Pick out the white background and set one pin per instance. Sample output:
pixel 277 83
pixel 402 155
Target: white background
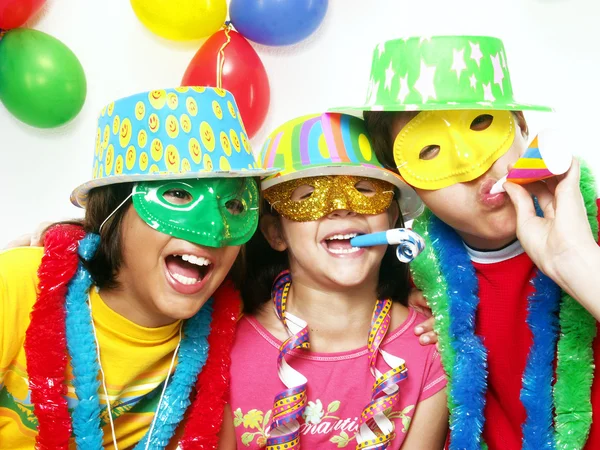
pixel 553 53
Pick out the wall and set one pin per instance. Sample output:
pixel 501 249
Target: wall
pixel 552 47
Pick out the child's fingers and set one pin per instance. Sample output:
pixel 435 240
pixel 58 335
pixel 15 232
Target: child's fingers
pixel 428 338
pixel 545 198
pixel 425 327
pixel 521 200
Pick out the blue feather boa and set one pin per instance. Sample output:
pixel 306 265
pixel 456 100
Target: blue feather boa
pixel 82 350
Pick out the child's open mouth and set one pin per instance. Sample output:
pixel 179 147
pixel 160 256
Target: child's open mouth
pixel 339 244
pixel 187 271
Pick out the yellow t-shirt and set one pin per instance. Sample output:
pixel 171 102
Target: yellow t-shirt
pixel 135 360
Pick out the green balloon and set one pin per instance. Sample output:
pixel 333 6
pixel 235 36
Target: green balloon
pixel 42 82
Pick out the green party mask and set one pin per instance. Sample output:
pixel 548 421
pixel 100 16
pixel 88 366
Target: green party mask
pixel 214 212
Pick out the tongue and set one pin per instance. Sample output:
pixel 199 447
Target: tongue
pixel 181 267
pixel 338 244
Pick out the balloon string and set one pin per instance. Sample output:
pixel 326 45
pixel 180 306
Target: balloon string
pixel 221 55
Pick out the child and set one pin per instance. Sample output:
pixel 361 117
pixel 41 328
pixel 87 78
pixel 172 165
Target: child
pixel 451 128
pixel 171 201
pixel 309 302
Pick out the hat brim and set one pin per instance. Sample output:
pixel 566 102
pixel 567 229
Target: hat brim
pixel 410 203
pixel 79 194
pixel 357 111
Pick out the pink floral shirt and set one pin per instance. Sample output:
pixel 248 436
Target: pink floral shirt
pixel 339 385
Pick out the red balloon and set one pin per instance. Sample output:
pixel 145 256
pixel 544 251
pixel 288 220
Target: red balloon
pixel 14 13
pixel 244 75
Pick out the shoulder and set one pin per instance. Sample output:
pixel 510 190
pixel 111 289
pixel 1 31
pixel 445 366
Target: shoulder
pixel 20 265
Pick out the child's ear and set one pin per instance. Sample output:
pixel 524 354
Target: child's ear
pixel 522 123
pixel 270 226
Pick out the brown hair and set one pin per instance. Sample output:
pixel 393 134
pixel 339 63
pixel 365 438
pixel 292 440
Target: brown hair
pixel 105 264
pixel 379 125
pixel 264 264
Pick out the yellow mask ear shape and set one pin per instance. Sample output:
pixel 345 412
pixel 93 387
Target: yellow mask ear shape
pixel 437 149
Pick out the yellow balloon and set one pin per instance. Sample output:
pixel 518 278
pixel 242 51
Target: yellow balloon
pixel 181 20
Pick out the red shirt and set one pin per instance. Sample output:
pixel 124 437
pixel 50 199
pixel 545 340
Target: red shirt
pixel 504 288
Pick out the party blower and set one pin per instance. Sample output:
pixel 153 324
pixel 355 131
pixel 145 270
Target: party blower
pixel 409 243
pixel 545 157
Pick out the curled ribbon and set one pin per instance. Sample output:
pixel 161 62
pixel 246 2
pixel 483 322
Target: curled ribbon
pixel 376 431
pixel 289 404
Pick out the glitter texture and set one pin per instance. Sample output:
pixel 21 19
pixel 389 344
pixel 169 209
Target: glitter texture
pixel 330 193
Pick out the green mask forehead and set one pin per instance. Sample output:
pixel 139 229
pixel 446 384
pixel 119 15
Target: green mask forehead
pixel 214 212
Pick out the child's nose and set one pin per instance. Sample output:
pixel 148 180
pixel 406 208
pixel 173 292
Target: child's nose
pixel 340 214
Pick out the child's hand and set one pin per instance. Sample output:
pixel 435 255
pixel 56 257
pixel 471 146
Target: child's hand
pixel 34 239
pixel 563 231
pixel 424 329
pixel 560 243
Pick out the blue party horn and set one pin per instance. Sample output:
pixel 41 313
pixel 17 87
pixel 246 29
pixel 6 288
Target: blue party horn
pixel 410 244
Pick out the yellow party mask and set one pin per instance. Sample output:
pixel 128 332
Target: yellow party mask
pixel 437 149
pixel 361 195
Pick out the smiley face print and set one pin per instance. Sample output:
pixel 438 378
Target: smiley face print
pixel 192 106
pixel 153 122
pixel 125 133
pixel 111 108
pixel 142 139
pixel 157 98
pixel 97 149
pixel 207 136
pixel 195 151
pixel 172 126
pixel 130 157
pixel 172 159
pixel 156 149
pixel 224 164
pixel 186 123
pixel 234 140
pixel 245 142
pixel 231 109
pixel 119 165
pixel 185 166
pixel 105 137
pixel 110 159
pixel 208 165
pixel 143 161
pixel 116 123
pixel 225 144
pixel 172 100
pixel 217 109
pixel 140 110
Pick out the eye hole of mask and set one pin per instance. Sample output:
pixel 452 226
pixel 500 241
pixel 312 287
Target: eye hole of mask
pixel 429 152
pixel 235 206
pixel 482 122
pixel 177 197
pixel 302 193
pixel 366 188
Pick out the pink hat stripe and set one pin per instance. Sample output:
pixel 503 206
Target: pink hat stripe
pixel 329 138
pixel 304 134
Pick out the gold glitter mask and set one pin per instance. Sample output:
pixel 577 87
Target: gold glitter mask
pixel 361 195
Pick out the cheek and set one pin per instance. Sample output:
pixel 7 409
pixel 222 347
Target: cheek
pixel 142 245
pixel 450 204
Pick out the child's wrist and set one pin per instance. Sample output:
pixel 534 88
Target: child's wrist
pixel 575 267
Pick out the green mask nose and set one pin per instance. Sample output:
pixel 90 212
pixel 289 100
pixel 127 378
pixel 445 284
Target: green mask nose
pixel 214 212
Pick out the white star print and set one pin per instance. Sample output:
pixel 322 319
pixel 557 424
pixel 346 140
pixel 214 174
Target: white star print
pixel 476 54
pixel 389 75
pixel 373 88
pixel 498 73
pixel 425 84
pixel 404 89
pixel 473 81
pixel 381 48
pixel 424 38
pixel 487 93
pixel 458 62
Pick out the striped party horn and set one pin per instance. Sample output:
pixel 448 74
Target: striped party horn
pixel 544 158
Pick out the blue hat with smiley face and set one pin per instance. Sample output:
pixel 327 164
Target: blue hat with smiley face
pixel 185 132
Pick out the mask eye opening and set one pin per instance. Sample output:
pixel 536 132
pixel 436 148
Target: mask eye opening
pixel 482 122
pixel 177 196
pixel 429 152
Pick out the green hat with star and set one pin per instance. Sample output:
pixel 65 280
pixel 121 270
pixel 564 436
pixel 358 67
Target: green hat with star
pixel 440 73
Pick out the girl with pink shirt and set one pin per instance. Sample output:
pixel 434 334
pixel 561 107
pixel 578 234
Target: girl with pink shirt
pixel 325 355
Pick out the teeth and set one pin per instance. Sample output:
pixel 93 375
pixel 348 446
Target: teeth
pixel 340 251
pixel 342 236
pixel 184 280
pixel 199 261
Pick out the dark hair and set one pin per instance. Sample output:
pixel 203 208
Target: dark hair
pixel 264 264
pixel 379 125
pixel 107 261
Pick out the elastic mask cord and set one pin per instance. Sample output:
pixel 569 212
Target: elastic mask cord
pixel 113 213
